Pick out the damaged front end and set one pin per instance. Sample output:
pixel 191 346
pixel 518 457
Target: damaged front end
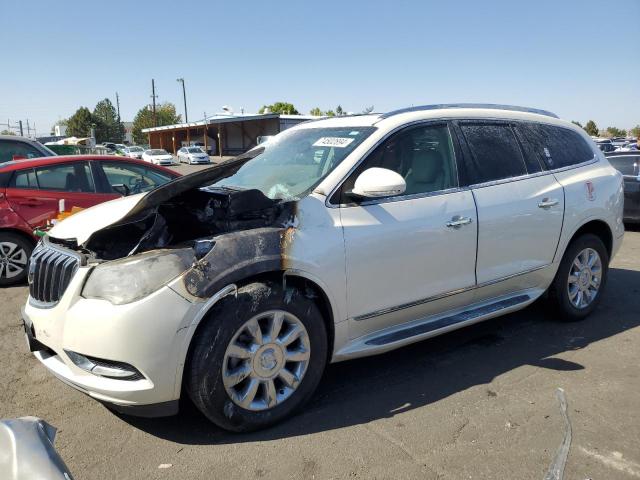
pixel 209 236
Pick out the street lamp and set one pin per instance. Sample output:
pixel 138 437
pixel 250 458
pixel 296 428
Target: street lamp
pixel 184 95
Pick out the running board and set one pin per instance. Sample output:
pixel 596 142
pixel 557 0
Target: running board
pixel 462 317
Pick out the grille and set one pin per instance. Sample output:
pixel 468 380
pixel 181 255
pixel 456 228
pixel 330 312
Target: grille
pixel 50 272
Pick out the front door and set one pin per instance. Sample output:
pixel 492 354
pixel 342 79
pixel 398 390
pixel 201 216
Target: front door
pixel 405 251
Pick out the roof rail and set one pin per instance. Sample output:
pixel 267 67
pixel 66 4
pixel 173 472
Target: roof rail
pixel 490 106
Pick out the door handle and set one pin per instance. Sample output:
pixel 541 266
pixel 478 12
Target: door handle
pixel 30 202
pixel 548 203
pixel 458 221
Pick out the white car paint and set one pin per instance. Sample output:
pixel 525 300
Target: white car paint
pixel 192 155
pixel 133 152
pixel 384 267
pixel 158 157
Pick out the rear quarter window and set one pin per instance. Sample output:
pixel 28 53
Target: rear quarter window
pixel 24 179
pixel 555 147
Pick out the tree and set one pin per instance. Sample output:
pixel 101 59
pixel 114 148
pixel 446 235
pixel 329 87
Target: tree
pixel 616 132
pixel 165 114
pixel 368 110
pixel 280 107
pixel 80 123
pixel 591 128
pixel 635 131
pixel 316 112
pixel 108 126
pixel 577 123
pixel 330 113
pixel 6 132
pixel 339 111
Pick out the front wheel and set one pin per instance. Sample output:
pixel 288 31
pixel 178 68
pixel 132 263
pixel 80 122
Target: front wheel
pixel 577 288
pixel 15 251
pixel 258 358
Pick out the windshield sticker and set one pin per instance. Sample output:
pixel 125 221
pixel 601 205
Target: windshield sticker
pixel 339 142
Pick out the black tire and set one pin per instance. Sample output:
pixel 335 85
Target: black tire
pixel 23 244
pixel 558 291
pixel 203 372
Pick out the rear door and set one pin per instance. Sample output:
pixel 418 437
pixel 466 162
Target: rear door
pixel 35 194
pixel 520 205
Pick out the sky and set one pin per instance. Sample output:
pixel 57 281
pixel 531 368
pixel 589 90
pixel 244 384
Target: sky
pixel 577 58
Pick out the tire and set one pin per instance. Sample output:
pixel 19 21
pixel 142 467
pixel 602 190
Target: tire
pixel 560 291
pixel 226 327
pixel 15 251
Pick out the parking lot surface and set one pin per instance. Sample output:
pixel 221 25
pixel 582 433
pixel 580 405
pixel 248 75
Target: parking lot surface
pixel 477 403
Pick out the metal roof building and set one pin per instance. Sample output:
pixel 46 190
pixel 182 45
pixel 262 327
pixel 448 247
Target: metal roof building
pixel 222 134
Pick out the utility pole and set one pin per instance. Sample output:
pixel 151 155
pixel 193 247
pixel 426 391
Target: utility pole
pixel 21 132
pixel 153 96
pixel 184 96
pixel 28 129
pixel 118 105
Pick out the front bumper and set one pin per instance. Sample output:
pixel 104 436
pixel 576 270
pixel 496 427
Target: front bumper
pixel 150 334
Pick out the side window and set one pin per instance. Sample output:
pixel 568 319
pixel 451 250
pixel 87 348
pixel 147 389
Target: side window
pixel 24 179
pixel 136 178
pixel 555 147
pixel 495 153
pixel 423 156
pixel 9 148
pixel 66 177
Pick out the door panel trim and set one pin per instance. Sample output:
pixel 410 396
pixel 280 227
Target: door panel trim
pixel 433 298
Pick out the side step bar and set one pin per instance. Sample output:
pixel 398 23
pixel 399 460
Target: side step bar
pixel 448 321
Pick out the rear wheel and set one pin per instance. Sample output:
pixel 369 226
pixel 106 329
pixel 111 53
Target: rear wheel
pixel 577 288
pixel 259 357
pixel 15 251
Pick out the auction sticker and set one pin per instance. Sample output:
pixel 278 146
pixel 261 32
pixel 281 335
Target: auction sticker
pixel 339 142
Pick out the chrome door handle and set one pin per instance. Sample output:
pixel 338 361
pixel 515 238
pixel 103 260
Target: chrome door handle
pixel 548 203
pixel 458 221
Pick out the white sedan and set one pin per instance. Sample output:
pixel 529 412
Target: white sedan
pixel 158 156
pixel 192 155
pixel 133 152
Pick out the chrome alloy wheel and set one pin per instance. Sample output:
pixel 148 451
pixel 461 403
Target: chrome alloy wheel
pixel 13 260
pixel 266 360
pixel 585 277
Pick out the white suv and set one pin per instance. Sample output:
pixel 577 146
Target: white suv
pixel 339 238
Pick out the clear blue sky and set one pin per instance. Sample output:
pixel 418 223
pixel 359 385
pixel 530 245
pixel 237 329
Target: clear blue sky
pixel 578 58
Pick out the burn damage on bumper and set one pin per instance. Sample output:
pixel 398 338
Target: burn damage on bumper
pixel 233 234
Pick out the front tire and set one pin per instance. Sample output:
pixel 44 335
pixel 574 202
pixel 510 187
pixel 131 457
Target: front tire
pixel 577 289
pixel 258 358
pixel 15 252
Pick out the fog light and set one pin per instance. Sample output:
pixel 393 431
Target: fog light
pixel 104 368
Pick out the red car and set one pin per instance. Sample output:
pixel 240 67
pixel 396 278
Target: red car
pixel 31 190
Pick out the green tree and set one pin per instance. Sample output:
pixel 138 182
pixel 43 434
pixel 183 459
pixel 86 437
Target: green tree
pixel 108 126
pixel 316 112
pixel 616 132
pixel 330 113
pixel 280 107
pixel 368 110
pixel 577 123
pixel 80 123
pixel 635 131
pixel 6 132
pixel 591 128
pixel 339 111
pixel 165 113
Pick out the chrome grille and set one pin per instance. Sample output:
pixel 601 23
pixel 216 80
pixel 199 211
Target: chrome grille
pixel 50 271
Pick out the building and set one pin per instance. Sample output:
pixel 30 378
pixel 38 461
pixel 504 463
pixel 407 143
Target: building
pixel 128 132
pixel 222 134
pixel 60 130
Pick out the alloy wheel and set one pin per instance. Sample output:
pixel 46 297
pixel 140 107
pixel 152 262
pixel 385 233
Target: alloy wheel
pixel 585 278
pixel 13 260
pixel 266 360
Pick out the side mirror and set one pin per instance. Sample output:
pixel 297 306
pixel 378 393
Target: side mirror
pixel 121 188
pixel 378 183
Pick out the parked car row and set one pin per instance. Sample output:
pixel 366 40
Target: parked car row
pixel 31 191
pixel 346 237
pixel 628 163
pixel 616 145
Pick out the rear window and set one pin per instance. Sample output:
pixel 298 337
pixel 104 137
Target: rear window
pixel 555 147
pixel 495 153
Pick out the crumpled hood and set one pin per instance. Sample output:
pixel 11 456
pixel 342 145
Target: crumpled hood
pixel 81 225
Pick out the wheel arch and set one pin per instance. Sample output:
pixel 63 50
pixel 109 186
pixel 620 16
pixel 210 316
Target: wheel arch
pixel 596 227
pixel 20 233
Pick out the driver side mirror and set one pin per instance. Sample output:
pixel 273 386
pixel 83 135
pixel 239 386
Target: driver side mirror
pixel 378 182
pixel 121 188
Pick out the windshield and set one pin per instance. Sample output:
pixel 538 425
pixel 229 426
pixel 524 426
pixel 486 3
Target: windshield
pixel 157 152
pixel 194 150
pixel 294 162
pixel 135 149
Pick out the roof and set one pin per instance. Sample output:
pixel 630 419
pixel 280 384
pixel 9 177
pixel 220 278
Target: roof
pixel 215 119
pixel 18 138
pixel 482 106
pixel 43 161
